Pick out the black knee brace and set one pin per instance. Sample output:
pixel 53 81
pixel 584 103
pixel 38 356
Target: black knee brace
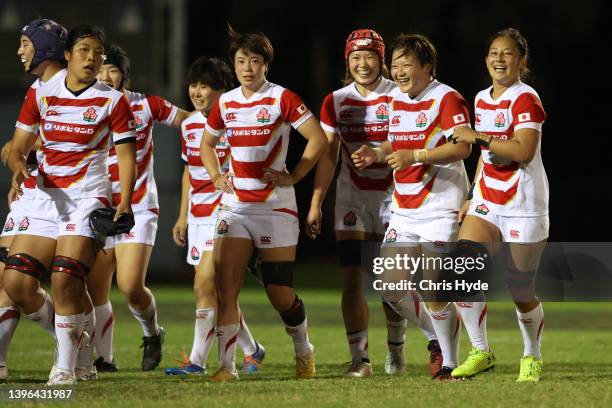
pixel 27 264
pixel 70 266
pixel 277 273
pixel 296 313
pixel 350 252
pixel 4 251
pixel 472 262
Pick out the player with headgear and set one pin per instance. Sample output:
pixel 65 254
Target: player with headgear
pixel 353 115
pixel 41 51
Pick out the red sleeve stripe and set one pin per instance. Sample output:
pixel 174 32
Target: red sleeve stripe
pixel 237 105
pixel 413 107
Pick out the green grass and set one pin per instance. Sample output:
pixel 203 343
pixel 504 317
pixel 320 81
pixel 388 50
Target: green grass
pixel 577 369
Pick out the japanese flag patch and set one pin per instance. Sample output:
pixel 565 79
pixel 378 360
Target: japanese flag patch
pixel 524 117
pixel 460 118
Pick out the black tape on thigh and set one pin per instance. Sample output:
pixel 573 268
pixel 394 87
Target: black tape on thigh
pixel 27 264
pixel 350 252
pixel 277 273
pixel 479 264
pixel 296 313
pixel 70 266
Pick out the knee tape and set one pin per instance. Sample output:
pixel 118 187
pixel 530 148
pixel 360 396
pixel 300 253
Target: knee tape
pixel 350 252
pixel 296 313
pixel 27 264
pixel 277 273
pixel 520 280
pixel 70 266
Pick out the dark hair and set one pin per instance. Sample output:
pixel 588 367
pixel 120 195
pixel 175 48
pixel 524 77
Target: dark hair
pixel 521 43
pixel 210 71
pixel 115 55
pixel 82 31
pixel 420 46
pixel 254 43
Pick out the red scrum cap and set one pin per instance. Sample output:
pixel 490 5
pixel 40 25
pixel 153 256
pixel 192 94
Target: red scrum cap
pixel 365 39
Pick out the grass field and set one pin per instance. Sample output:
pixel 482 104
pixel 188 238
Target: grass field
pixel 577 370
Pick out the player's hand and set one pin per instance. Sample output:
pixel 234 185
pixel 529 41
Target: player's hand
pixel 19 175
pixel 5 152
pixel 400 159
pixel 12 196
pixel 463 211
pixel 463 134
pixel 223 183
pixel 277 178
pixel 313 222
pixel 363 157
pixel 179 232
pixel 122 208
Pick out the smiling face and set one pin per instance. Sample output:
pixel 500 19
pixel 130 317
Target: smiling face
pixel 410 76
pixel 250 69
pixel 85 59
pixel 203 97
pixel 111 76
pixel 364 66
pixel 26 52
pixel 504 61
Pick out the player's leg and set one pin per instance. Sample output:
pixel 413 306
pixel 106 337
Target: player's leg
pixel 29 258
pixel 231 255
pixel 472 306
pixel 354 306
pixel 132 264
pixel 75 254
pixel 9 312
pixel 84 367
pixel 522 266
pixel 99 283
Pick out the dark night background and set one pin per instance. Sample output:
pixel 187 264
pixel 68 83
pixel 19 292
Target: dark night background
pixel 568 64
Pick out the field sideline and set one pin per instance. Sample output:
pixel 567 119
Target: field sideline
pixel 577 360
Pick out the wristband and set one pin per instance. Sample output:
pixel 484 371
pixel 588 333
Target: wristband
pixel 483 140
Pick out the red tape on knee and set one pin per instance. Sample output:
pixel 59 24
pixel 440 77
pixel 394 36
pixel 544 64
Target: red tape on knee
pixel 70 266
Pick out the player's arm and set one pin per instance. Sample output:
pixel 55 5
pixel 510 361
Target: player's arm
pixel 366 155
pixel 181 115
pixel 180 227
pixel 126 160
pixel 209 157
pixel 21 145
pixel 521 148
pixel 443 154
pixel 315 147
pixel 326 167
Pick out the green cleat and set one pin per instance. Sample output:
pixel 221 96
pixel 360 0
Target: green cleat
pixel 477 362
pixel 531 369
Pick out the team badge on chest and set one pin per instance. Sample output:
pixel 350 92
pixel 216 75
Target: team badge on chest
pixel 90 115
pixel 500 120
pixel 421 120
pixel 263 116
pixel 382 113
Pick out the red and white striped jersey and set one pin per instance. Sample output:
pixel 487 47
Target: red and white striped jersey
pixel 204 198
pixel 510 188
pixel 147 110
pixel 257 130
pixel 29 185
pixel 359 120
pixel 76 135
pixel 425 122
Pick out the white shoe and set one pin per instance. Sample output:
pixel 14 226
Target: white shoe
pixel 60 377
pixel 3 373
pixel 86 373
pixel 396 362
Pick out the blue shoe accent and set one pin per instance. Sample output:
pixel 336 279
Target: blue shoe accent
pixel 252 363
pixel 186 370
